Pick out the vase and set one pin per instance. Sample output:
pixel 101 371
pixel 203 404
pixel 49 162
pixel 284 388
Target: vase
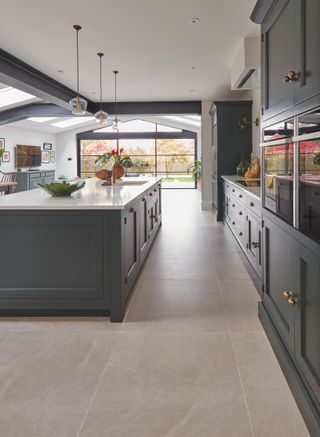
pixel 242 167
pixel 118 171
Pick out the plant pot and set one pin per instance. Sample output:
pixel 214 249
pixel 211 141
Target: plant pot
pixel 118 171
pixel 102 174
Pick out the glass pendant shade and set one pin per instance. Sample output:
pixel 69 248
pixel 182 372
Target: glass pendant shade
pixel 78 106
pixel 101 117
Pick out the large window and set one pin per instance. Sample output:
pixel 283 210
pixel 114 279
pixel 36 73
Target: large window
pixel 155 149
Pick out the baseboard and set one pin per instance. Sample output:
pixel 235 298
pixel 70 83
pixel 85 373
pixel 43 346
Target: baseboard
pixel 308 409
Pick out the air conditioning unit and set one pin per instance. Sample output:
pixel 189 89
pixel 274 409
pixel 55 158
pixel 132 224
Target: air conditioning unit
pixel 245 70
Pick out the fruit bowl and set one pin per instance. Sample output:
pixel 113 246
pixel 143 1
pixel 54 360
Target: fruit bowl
pixel 62 189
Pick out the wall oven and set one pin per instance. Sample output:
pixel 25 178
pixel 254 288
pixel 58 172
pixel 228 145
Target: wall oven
pixel 291 172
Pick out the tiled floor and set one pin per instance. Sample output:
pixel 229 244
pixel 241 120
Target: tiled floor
pixel 191 359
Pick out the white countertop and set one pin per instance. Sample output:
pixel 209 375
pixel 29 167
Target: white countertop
pixel 254 191
pixel 92 196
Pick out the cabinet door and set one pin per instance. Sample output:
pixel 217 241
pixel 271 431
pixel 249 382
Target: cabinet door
pixel 277 58
pixel 131 246
pixel 278 279
pixel 33 183
pixel 253 248
pixel 307 310
pixel 307 49
pixel 143 229
pixel 48 179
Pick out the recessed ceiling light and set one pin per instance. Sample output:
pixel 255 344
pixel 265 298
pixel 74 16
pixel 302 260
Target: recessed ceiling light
pixel 41 119
pixel 194 20
pixel 60 71
pixel 193 68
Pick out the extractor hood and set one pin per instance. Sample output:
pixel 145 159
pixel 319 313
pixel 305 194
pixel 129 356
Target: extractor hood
pixel 245 70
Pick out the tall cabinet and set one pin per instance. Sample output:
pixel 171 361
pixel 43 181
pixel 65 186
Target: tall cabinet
pixel 229 144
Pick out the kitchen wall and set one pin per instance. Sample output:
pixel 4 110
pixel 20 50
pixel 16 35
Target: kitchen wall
pixel 206 146
pixel 14 135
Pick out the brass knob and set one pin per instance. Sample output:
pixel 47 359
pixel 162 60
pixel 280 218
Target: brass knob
pixel 293 301
pixel 291 76
pixel 287 294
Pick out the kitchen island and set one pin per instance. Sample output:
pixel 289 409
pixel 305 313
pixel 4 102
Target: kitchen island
pixel 78 255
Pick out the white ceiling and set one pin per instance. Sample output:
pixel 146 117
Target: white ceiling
pixel 151 42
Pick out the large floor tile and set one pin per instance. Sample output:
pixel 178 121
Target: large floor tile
pixel 47 380
pixel 179 266
pixel 181 242
pixel 230 266
pixel 240 303
pixel 176 306
pixel 157 385
pixel 272 408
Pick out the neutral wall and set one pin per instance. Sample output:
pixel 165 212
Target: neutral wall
pixel 15 135
pixel 206 152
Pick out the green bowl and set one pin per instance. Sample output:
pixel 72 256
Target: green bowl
pixel 61 189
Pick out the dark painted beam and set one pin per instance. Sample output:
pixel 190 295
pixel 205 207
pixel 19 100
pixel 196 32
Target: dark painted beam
pixel 153 108
pixel 18 74
pixel 261 10
pixel 90 135
pixel 32 110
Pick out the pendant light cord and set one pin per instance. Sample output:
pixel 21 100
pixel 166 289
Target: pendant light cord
pixel 77 28
pixel 115 94
pixel 100 56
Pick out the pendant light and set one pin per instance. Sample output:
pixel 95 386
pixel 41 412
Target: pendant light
pixel 78 104
pixel 116 122
pixel 101 116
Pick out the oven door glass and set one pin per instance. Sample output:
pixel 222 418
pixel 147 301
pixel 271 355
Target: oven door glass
pixel 278 183
pixel 309 188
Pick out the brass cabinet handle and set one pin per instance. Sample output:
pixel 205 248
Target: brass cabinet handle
pixel 291 76
pixel 287 294
pixel 293 301
pixel 255 245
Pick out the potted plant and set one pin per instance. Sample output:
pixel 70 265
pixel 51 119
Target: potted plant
pixel 120 162
pixel 195 168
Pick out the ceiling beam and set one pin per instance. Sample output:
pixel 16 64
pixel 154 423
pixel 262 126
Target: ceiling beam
pixel 18 74
pixel 153 108
pixel 32 110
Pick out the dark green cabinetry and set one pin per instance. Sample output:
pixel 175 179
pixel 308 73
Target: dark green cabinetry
pixel 28 180
pixel 229 143
pixel 67 262
pixel 290 56
pixel 290 311
pixel 242 212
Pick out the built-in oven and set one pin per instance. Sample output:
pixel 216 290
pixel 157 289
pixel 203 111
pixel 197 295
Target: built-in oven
pixel 308 149
pixel 278 166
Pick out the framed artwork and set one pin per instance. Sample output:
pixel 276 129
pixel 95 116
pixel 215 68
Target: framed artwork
pixel 2 143
pixel 45 157
pixel 6 157
pixel 52 156
pixel 47 146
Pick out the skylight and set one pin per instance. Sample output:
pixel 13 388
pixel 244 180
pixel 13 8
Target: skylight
pixel 10 96
pixel 72 122
pixel 41 119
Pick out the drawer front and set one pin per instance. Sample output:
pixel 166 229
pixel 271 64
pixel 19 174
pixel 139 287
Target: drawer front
pixel 237 193
pixel 49 174
pixel 35 175
pixel 253 206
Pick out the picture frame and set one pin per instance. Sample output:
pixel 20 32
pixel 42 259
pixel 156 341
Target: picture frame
pixel 6 156
pixel 52 157
pixel 47 146
pixel 45 157
pixel 2 143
